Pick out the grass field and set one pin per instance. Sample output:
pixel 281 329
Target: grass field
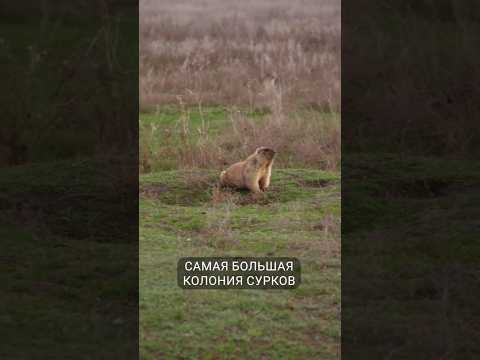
pixel 65 283
pixel 217 80
pixel 182 213
pixel 410 250
pixel 219 52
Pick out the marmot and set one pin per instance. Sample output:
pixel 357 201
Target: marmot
pixel 253 173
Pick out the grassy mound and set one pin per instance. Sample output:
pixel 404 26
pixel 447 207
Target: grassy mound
pixel 76 199
pixel 65 286
pixel 183 213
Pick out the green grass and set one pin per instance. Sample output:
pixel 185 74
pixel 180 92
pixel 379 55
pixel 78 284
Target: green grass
pixel 215 117
pixel 65 283
pixel 62 296
pixel 409 244
pixel 73 198
pixel 384 197
pixel 183 213
pixel 299 217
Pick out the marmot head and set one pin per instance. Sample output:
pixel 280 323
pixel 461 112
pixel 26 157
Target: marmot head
pixel 266 152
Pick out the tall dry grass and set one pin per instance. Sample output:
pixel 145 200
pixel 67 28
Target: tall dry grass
pixel 226 52
pixel 307 139
pixel 303 139
pixel 418 79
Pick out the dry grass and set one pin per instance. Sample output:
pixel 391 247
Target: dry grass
pixel 303 139
pixel 226 52
pixel 309 139
pixel 221 196
pixel 218 232
pixel 420 97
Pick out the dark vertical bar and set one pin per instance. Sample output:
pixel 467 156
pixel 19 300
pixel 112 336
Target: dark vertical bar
pixel 69 180
pixel 410 180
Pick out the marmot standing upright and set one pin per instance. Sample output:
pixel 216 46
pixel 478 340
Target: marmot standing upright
pixel 253 173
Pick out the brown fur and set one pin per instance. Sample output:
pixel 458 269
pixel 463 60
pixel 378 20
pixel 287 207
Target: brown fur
pixel 253 173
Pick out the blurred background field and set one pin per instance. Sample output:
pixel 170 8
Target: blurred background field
pixel 221 52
